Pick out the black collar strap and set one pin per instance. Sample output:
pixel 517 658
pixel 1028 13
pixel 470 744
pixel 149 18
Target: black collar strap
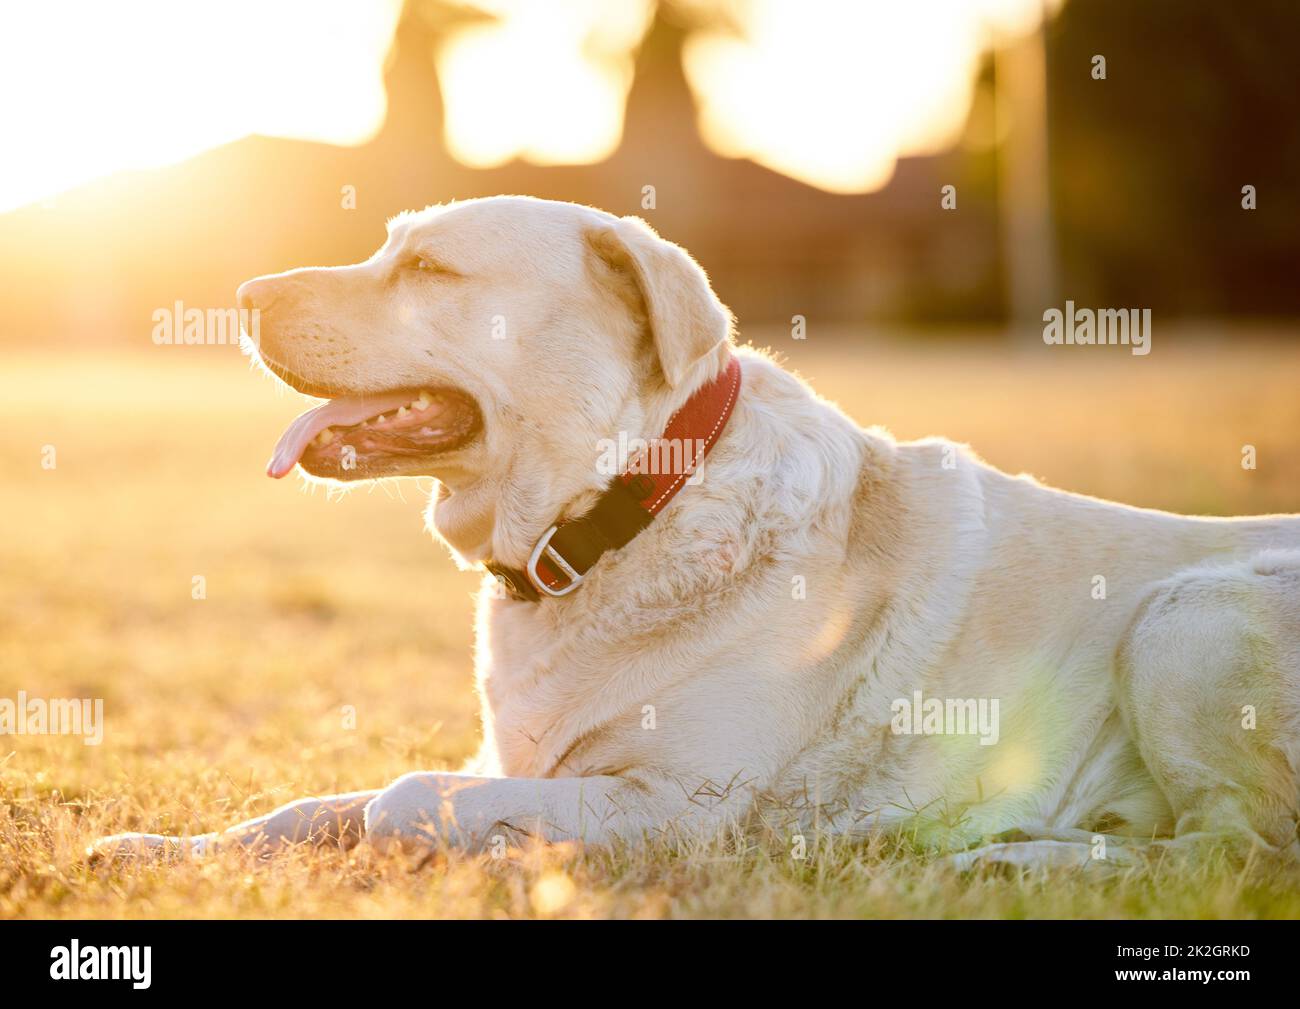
pixel 568 550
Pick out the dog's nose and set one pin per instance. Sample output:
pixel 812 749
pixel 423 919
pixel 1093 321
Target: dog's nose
pixel 257 293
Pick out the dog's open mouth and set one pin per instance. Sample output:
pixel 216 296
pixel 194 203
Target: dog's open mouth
pixel 355 437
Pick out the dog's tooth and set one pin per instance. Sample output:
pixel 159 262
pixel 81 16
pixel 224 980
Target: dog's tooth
pixel 326 436
pixel 423 402
pixel 402 411
pixel 379 419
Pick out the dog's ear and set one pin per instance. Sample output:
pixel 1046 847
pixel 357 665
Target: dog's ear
pixel 685 318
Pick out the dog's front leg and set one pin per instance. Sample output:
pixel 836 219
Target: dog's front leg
pixel 334 819
pixel 474 813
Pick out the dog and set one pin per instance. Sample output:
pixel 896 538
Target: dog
pixel 790 638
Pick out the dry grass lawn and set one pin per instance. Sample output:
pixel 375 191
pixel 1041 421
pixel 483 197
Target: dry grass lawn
pixel 224 707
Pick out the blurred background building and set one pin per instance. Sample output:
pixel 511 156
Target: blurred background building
pixel 799 150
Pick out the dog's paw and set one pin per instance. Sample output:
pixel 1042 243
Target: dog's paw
pixel 1040 854
pixel 146 847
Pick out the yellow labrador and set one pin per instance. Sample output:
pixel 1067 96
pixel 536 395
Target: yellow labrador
pixel 818 627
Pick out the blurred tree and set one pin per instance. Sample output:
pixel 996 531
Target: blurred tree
pixel 1200 99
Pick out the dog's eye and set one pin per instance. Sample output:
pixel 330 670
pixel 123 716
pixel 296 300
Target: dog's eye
pixel 426 265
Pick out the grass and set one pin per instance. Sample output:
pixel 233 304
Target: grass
pixel 223 707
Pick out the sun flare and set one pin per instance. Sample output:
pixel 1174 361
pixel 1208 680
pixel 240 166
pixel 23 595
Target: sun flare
pixel 95 88
pixel 833 94
pixel 827 93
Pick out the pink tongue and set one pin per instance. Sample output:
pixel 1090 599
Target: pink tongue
pixel 336 413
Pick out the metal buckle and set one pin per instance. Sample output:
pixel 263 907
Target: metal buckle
pixel 553 555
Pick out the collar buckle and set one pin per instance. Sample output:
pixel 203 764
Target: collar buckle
pixel 553 556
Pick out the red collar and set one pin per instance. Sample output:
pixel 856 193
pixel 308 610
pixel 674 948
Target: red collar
pixel 568 550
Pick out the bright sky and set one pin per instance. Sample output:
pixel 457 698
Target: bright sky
pixel 92 87
pixel 833 93
pixel 546 81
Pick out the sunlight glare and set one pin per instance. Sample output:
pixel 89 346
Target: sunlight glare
pixel 1016 769
pixel 544 82
pixel 832 94
pixel 93 88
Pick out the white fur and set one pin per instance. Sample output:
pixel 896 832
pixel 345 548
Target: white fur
pixel 925 569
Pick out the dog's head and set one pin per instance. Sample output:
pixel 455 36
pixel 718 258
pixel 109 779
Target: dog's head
pixel 490 344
